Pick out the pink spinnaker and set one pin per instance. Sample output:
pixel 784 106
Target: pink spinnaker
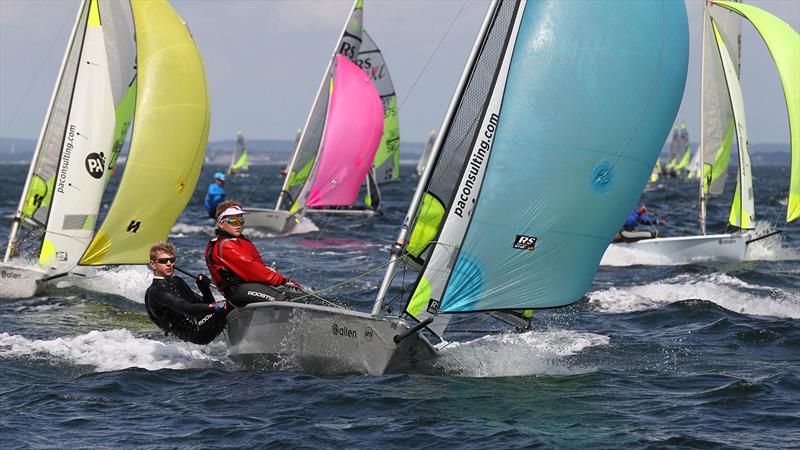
pixel 353 131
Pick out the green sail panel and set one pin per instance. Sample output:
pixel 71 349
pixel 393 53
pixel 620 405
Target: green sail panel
pixel 387 159
pixel 784 45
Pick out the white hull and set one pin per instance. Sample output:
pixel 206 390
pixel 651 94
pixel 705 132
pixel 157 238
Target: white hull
pixel 345 212
pixel 278 221
pixel 680 250
pixel 285 336
pixel 21 282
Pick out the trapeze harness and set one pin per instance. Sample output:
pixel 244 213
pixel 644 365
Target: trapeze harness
pixel 242 277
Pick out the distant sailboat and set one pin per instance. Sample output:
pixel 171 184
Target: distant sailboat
pixel 337 150
pixel 723 117
pixel 104 77
pixel 239 163
pixel 426 154
pixel 510 128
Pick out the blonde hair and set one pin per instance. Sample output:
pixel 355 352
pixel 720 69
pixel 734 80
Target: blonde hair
pixel 161 247
pixel 225 205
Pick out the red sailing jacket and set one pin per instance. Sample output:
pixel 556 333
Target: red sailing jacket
pixel 233 261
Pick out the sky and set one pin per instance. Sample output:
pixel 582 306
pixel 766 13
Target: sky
pixel 264 61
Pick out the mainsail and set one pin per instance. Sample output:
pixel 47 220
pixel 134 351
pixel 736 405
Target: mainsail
pixel 387 158
pixel 84 129
pixel 743 208
pixel 481 248
pixel 239 156
pixel 101 82
pixel 784 45
pixel 717 122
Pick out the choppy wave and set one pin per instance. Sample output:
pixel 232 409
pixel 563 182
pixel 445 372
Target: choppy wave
pixel 531 353
pixel 182 229
pixel 130 282
pixel 112 350
pixel 724 290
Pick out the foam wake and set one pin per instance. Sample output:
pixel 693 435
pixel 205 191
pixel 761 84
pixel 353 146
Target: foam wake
pixel 130 282
pixel 113 350
pixel 531 353
pixel 724 290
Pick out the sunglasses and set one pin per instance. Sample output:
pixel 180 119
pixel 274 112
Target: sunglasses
pixel 165 260
pixel 234 220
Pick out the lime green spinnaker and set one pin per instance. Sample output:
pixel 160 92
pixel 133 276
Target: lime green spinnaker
pixel 784 45
pixel 168 140
pixel 684 162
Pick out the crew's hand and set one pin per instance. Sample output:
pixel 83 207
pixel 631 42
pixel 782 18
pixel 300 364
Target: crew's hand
pixel 219 306
pixel 662 222
pixel 203 280
pixel 292 284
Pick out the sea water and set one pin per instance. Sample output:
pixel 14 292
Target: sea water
pixel 702 355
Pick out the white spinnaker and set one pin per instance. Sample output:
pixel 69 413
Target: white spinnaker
pixel 744 203
pixel 88 140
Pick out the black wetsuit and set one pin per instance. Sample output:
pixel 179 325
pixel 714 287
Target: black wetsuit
pixel 176 309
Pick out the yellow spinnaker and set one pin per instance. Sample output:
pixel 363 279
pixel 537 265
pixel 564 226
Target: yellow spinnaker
pixel 784 44
pixel 170 133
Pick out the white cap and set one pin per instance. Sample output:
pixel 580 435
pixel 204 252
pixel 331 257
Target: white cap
pixel 232 211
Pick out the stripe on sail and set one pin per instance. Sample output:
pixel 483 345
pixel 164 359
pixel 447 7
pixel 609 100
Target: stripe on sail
pixel 387 159
pixel 742 213
pixel 784 45
pixel 168 140
pixel 353 130
pixel 526 250
pixel 717 118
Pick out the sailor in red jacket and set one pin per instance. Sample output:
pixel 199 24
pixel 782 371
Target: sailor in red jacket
pixel 236 265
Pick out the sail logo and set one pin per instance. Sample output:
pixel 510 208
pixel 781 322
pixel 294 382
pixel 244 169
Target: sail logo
pixel 467 194
pixel 62 256
pixel 525 242
pixel 336 330
pixel 96 164
pixel 65 155
pixel 433 306
pixel 133 227
pixel 10 275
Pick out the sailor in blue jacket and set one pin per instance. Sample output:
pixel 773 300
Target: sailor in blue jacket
pixel 215 195
pixel 639 217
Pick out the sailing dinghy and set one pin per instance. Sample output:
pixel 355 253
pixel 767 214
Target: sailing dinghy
pixel 239 163
pixel 723 117
pixel 105 76
pixel 330 158
pixel 491 224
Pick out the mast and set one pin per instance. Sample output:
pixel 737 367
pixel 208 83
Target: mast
pixel 16 222
pixel 702 179
pixel 322 85
pixel 402 237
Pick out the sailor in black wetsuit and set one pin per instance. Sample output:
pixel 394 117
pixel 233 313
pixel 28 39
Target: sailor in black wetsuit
pixel 175 308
